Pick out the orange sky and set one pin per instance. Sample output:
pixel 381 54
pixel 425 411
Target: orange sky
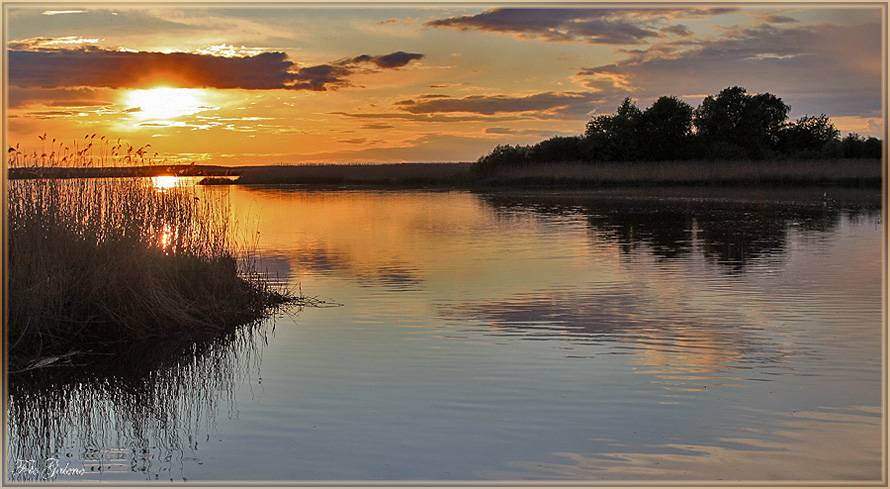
pixel 301 83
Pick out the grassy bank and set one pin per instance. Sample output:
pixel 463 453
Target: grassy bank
pixel 98 267
pixel 362 174
pixel 841 172
pixel 837 172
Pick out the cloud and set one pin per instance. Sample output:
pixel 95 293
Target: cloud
pixel 430 147
pixel 93 67
pixel 377 126
pixel 677 30
pixel 52 43
pixel 81 97
pixel 392 60
pixel 593 25
pixel 60 12
pixel 426 118
pixel 771 17
pixel 552 103
pixel 540 133
pixel 823 68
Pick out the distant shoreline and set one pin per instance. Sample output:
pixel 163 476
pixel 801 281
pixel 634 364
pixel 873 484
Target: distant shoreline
pixel 839 172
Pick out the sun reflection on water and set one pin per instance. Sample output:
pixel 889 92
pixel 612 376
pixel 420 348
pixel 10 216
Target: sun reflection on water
pixel 166 238
pixel 164 182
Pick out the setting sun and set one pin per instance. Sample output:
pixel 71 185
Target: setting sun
pixel 165 103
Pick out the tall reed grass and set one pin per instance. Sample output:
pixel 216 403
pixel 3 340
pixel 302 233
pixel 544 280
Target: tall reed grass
pixel 98 265
pixel 88 152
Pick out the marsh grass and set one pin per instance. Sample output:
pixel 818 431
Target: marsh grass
pixel 846 172
pixel 358 174
pixel 97 266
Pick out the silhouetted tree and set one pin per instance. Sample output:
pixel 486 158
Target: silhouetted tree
pixel 736 124
pixel 557 148
pixel 665 130
pixel 616 137
pixel 503 155
pixel 731 125
pixel 809 136
pixel 855 146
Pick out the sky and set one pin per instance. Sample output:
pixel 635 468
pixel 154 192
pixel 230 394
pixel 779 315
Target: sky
pixel 339 83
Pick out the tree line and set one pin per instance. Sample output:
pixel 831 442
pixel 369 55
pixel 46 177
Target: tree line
pixel 733 125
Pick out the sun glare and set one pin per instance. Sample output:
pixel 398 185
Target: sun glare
pixel 165 103
pixel 164 182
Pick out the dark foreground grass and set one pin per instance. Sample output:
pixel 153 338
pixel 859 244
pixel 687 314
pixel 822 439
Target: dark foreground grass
pixel 102 267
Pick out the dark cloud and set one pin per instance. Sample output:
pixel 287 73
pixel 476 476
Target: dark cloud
pixel 377 126
pixel 118 69
pixel 426 118
pixel 392 60
pixel 51 114
pixel 592 25
pixel 427 96
pixel 565 103
pixel 79 97
pixel 541 133
pixel 677 30
pixel 79 103
pixel 772 17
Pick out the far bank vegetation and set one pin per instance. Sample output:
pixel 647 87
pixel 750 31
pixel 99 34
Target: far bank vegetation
pixel 733 137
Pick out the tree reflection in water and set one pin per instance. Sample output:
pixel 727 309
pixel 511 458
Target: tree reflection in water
pixel 685 323
pixel 141 415
pixel 732 232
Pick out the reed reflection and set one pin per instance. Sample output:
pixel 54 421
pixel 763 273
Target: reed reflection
pixel 144 415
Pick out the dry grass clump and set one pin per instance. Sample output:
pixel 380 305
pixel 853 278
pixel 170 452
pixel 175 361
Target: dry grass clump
pixel 101 265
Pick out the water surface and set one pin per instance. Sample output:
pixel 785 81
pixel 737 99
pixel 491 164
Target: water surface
pixel 571 336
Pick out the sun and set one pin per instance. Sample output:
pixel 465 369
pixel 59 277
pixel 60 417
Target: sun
pixel 165 103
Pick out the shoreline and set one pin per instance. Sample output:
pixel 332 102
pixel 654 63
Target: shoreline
pixel 867 173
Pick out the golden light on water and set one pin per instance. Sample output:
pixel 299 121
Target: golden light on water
pixel 166 237
pixel 164 182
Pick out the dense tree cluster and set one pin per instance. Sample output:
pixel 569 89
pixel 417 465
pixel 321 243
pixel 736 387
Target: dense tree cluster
pixel 733 125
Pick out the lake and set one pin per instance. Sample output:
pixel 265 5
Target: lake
pixel 571 336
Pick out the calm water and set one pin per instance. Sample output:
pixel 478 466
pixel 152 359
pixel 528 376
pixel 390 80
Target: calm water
pixel 547 337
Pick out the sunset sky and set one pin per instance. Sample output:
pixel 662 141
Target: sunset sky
pixel 292 83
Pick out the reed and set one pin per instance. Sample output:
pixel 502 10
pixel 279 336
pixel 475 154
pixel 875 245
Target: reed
pixel 99 265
